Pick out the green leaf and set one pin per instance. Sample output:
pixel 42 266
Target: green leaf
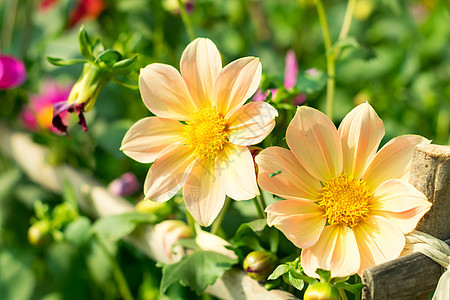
pixel 113 228
pixel 198 270
pixel 300 275
pixel 77 232
pixel 16 278
pixel 344 43
pixel 86 48
pixel 296 282
pixel 124 65
pixel 352 288
pixel 109 57
pixel 64 62
pixel 248 235
pixel 280 270
pixel 188 243
pixel 98 262
pixel 311 83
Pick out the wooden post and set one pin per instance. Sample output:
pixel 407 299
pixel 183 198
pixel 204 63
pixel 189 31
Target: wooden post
pixel 414 276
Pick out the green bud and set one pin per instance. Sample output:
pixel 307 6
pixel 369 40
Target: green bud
pixel 260 264
pixel 88 86
pixel 321 291
pixel 38 232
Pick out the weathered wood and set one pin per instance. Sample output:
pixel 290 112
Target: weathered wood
pixel 414 276
pixel 430 173
pixel 94 199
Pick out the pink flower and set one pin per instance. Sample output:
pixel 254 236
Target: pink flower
pixel 39 112
pixel 290 79
pixel 206 153
pixel 347 205
pixel 125 185
pixel 12 72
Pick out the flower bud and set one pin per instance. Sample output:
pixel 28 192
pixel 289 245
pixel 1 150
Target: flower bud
pixel 321 291
pixel 37 233
pixel 260 264
pixel 125 185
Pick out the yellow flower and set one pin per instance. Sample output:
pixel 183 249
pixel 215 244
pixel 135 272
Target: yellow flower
pixel 206 153
pixel 347 206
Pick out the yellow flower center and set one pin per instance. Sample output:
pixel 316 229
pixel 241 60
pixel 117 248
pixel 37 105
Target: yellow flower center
pixel 206 133
pixel 345 200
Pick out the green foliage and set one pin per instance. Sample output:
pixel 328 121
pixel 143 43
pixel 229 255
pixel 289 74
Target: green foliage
pixel 197 270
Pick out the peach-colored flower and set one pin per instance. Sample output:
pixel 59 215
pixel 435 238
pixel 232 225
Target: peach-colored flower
pixel 347 206
pixel 206 153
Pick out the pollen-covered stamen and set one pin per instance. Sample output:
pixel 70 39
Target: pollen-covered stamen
pixel 206 133
pixel 345 200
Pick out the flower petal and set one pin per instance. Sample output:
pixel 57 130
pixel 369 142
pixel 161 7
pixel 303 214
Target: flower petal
pixel 236 172
pixel 378 241
pixel 164 92
pixel 203 194
pixel 361 132
pixel 399 202
pixel 336 251
pixel 168 173
pixel 301 222
pixel 314 140
pixel 149 136
pixel 393 160
pixel 290 70
pixel 236 83
pixel 251 123
pixel 292 182
pixel 200 65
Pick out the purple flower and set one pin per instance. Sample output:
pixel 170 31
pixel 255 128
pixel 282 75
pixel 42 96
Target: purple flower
pixel 125 185
pixel 12 72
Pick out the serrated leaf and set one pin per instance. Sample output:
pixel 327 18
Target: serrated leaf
pixel 86 47
pixel 296 282
pixel 198 270
pixel 109 57
pixel 113 228
pixel 64 62
pixel 124 65
pixel 280 270
pixel 352 288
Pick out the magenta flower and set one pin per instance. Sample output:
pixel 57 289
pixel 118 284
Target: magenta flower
pixel 290 79
pixel 12 72
pixel 125 185
pixel 39 112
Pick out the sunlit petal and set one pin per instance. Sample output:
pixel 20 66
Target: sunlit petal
pixel 200 65
pixel 168 173
pixel 251 123
pixel 393 160
pixel 280 173
pixel 336 251
pixel 399 202
pixel 164 92
pixel 361 132
pixel 236 83
pixel 314 140
pixel 378 241
pixel 203 194
pixel 236 172
pixel 301 221
pixel 149 136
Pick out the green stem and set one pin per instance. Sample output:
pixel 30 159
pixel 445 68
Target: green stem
pixel 121 282
pixel 258 208
pixel 186 20
pixel 8 24
pixel 261 200
pixel 218 222
pixel 347 19
pixel 330 57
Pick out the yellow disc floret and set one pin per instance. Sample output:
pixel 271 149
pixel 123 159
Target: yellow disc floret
pixel 206 133
pixel 345 200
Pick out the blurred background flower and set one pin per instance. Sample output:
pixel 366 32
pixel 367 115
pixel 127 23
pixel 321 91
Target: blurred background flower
pixel 12 72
